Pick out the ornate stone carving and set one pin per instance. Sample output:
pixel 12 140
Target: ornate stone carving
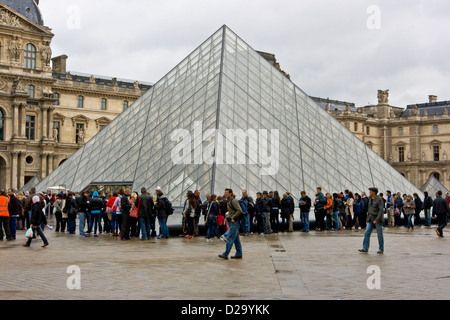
pixel 383 96
pixel 8 19
pixel 18 86
pixel 15 49
pixel 46 54
pixel 4 86
pixel 81 136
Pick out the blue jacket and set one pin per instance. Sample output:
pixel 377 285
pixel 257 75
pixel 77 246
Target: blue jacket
pixel 358 207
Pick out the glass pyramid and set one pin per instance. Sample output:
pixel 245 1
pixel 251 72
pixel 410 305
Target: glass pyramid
pixel 432 186
pixel 225 117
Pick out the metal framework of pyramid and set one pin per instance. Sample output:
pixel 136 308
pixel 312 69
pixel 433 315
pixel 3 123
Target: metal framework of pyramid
pixel 223 85
pixel 432 186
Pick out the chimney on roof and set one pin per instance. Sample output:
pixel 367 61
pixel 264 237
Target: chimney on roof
pixel 59 64
pixel 432 99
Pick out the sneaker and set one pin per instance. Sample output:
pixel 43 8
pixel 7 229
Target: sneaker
pixel 187 237
pixel 208 240
pixel 223 238
pixel 380 252
pixel 223 257
pixel 363 250
pixel 236 257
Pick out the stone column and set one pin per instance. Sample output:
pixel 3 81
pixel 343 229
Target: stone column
pixel 14 165
pixel 50 163
pixel 21 169
pixel 44 122
pixel 50 123
pixel 15 131
pixel 43 165
pixel 23 120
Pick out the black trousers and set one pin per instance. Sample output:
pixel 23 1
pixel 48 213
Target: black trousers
pixel 4 224
pixel 442 222
pixel 275 220
pixel 125 227
pixel 59 221
pixel 321 219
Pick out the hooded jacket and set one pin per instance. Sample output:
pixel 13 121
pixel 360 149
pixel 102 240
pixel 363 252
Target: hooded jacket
pixel 95 203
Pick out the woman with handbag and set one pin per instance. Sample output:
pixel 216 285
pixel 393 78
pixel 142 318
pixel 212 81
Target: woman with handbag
pixel 112 211
pixel 134 213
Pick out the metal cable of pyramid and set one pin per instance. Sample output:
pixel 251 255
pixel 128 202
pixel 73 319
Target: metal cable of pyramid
pixel 226 118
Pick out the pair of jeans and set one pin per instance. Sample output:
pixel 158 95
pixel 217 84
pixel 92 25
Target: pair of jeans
pixel 59 221
pixel 13 226
pixel 233 239
pixel 427 217
pixel 304 218
pixel 267 225
pixel 369 229
pixel 213 230
pixel 82 221
pixel 40 233
pixel 71 225
pixel 336 220
pixel 114 221
pixel 145 228
pixel 275 220
pixel 94 222
pixel 245 223
pixel 163 225
pixel 410 223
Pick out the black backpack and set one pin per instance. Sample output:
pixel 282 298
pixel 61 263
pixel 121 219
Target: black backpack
pixel 168 206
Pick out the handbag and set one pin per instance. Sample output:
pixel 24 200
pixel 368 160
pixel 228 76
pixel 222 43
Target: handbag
pixel 134 213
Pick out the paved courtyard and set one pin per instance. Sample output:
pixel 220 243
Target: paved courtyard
pixel 324 265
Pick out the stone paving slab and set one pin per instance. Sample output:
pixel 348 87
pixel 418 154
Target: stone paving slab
pixel 284 266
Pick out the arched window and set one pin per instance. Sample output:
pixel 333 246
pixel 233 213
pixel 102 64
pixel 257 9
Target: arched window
pixel 31 91
pixel 2 124
pixel 437 176
pixel 30 56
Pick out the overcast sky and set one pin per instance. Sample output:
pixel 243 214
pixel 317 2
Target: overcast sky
pixel 344 50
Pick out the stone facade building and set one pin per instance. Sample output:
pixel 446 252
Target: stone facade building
pixel 47 113
pixel 415 140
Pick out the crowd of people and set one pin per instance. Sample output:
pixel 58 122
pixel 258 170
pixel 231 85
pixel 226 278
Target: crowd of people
pixel 129 215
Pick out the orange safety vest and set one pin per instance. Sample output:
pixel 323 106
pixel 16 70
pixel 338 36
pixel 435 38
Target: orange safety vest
pixel 4 201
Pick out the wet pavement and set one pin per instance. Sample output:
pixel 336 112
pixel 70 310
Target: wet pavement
pixel 315 265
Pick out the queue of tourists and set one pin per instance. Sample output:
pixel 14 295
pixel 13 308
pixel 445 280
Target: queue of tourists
pixel 128 215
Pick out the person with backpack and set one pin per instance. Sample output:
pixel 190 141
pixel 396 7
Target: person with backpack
pixel 285 212
pixel 125 208
pixel 95 208
pixel 233 217
pixel 163 209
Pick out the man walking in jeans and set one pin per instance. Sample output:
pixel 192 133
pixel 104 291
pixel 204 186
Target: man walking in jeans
pixel 375 217
pixel 233 217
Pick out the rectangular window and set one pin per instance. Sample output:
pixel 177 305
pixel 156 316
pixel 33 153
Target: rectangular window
pixel 79 133
pixel 103 104
pixel 31 91
pixel 125 105
pixel 436 151
pixel 56 96
pixel 368 130
pixel 401 154
pixel 435 129
pixel 80 102
pixel 355 125
pixel 400 131
pixel 30 126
